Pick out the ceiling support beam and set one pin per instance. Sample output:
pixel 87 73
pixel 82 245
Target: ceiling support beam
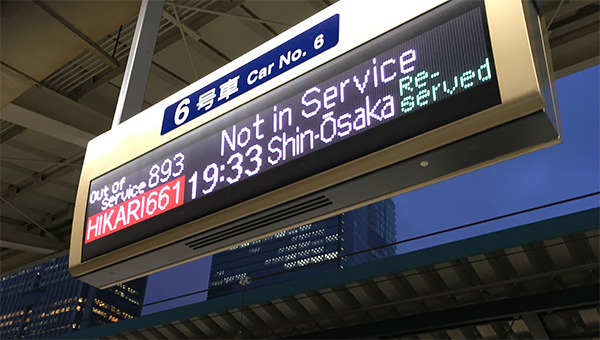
pixel 253 15
pixel 42 124
pixel 10 132
pixel 137 70
pixel 27 160
pixel 187 29
pixel 536 328
pixel 46 232
pixel 53 221
pixel 40 179
pixel 207 11
pixel 19 78
pixel 42 154
pixel 30 243
pixel 57 107
pixel 7 220
pixel 7 163
pixel 89 44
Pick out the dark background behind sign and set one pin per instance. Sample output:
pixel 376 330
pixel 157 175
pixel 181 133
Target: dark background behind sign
pixel 442 50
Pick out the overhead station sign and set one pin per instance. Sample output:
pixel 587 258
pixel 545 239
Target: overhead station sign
pixel 312 129
pixel 391 84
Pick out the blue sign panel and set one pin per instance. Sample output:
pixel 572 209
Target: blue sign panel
pixel 293 52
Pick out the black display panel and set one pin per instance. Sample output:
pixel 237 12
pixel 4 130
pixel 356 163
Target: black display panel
pixel 431 71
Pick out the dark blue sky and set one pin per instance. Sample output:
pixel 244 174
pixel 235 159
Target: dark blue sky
pixel 553 174
pixel 563 171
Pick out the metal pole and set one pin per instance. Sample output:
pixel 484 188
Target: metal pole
pixel 137 70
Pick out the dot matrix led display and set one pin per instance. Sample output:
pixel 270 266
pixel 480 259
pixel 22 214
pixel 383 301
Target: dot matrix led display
pixel 431 71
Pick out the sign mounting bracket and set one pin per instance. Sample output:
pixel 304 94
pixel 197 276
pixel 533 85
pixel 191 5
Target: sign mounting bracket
pixel 137 70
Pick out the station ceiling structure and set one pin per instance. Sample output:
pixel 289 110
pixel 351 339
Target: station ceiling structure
pixel 62 65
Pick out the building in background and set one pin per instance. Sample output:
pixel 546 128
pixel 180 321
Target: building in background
pixel 45 301
pixel 307 250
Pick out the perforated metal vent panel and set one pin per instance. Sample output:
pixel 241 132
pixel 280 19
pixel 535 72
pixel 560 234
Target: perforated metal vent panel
pixel 274 215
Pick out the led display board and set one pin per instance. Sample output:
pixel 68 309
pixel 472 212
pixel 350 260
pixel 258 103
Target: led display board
pixel 311 126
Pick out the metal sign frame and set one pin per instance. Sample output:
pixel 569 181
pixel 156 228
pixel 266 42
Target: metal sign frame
pixel 524 79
